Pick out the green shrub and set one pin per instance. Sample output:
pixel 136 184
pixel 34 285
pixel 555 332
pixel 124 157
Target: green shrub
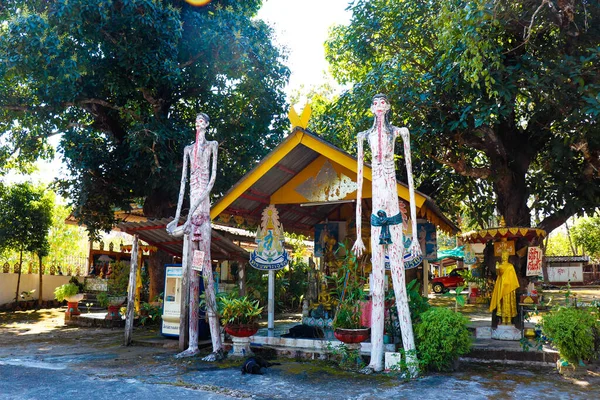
pixel 102 299
pixel 573 331
pixel 442 336
pixel 65 291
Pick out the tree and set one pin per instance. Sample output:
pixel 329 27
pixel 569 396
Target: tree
pixel 24 222
pixel 502 99
pixel 122 82
pixel 586 233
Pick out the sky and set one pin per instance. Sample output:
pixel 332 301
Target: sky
pixel 300 26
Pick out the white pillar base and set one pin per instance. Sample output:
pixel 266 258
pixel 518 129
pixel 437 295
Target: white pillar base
pixel 241 347
pixel 506 332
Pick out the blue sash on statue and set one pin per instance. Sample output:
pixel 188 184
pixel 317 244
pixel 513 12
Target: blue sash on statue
pixel 382 220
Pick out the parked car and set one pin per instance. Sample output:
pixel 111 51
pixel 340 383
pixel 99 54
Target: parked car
pixel 445 283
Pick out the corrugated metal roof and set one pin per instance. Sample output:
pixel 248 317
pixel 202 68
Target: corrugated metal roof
pixel 153 232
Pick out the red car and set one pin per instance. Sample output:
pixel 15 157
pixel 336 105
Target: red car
pixel 445 283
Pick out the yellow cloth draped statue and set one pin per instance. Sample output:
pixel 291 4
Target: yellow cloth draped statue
pixel 504 297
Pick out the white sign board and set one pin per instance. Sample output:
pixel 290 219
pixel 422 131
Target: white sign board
pixel 565 274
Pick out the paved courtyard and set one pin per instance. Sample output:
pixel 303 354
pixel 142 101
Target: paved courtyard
pixel 40 358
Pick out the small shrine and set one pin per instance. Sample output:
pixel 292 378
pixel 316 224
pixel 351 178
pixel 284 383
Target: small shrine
pixel 504 302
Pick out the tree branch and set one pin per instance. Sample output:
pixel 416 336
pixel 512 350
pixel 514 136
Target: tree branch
pixel 461 167
pixel 555 220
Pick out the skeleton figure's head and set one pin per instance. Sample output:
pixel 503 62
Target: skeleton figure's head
pixel 380 104
pixel 380 107
pixel 202 121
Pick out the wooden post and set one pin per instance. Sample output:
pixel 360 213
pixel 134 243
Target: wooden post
pixel 425 278
pixel 131 291
pixel 184 333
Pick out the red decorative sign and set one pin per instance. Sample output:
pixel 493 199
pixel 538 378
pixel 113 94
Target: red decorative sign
pixel 534 261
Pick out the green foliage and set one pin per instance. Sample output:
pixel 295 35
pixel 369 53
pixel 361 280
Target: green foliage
pixel 238 311
pixel 558 245
pixel 459 298
pixel 442 336
pixel 417 303
pixel 573 331
pixel 489 130
pixel 65 291
pixel 102 298
pixel 150 314
pixel 586 233
pixel 122 81
pixel 26 218
pixel 80 285
pixel 349 359
pixel 290 285
pixel 349 287
pixel 118 280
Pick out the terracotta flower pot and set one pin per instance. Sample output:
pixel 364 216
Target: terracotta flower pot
pixel 72 309
pixel 352 335
pixel 241 330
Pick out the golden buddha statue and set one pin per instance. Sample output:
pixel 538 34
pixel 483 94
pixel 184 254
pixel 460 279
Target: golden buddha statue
pixel 504 296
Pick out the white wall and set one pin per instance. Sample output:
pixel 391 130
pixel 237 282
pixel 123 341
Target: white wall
pixel 8 285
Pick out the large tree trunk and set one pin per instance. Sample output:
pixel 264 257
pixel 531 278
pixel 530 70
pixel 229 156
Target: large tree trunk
pixel 156 272
pixel 157 205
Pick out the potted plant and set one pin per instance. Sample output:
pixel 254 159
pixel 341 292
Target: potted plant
pixel 70 293
pixel 116 293
pixel 239 316
pixel 347 324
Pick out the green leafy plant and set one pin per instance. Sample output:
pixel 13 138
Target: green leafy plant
pixel 573 331
pixel 102 299
pixel 417 303
pixel 80 286
pixel 118 280
pixel 349 287
pixel 65 291
pixel 149 313
pixel 238 311
pixel 459 299
pixel 484 285
pixel 348 359
pixel 403 366
pixel 442 336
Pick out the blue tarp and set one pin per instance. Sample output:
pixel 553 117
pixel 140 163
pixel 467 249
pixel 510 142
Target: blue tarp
pixel 457 252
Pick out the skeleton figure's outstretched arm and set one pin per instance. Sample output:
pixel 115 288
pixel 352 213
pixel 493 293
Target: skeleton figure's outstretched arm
pixel 172 226
pixel 415 248
pixel 359 246
pixel 213 174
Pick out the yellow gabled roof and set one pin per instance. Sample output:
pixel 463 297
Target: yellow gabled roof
pixel 339 159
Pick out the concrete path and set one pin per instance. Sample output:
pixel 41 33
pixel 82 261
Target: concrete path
pixel 40 358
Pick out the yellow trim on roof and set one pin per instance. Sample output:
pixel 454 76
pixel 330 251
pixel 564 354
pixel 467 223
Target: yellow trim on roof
pixel 296 138
pixel 246 182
